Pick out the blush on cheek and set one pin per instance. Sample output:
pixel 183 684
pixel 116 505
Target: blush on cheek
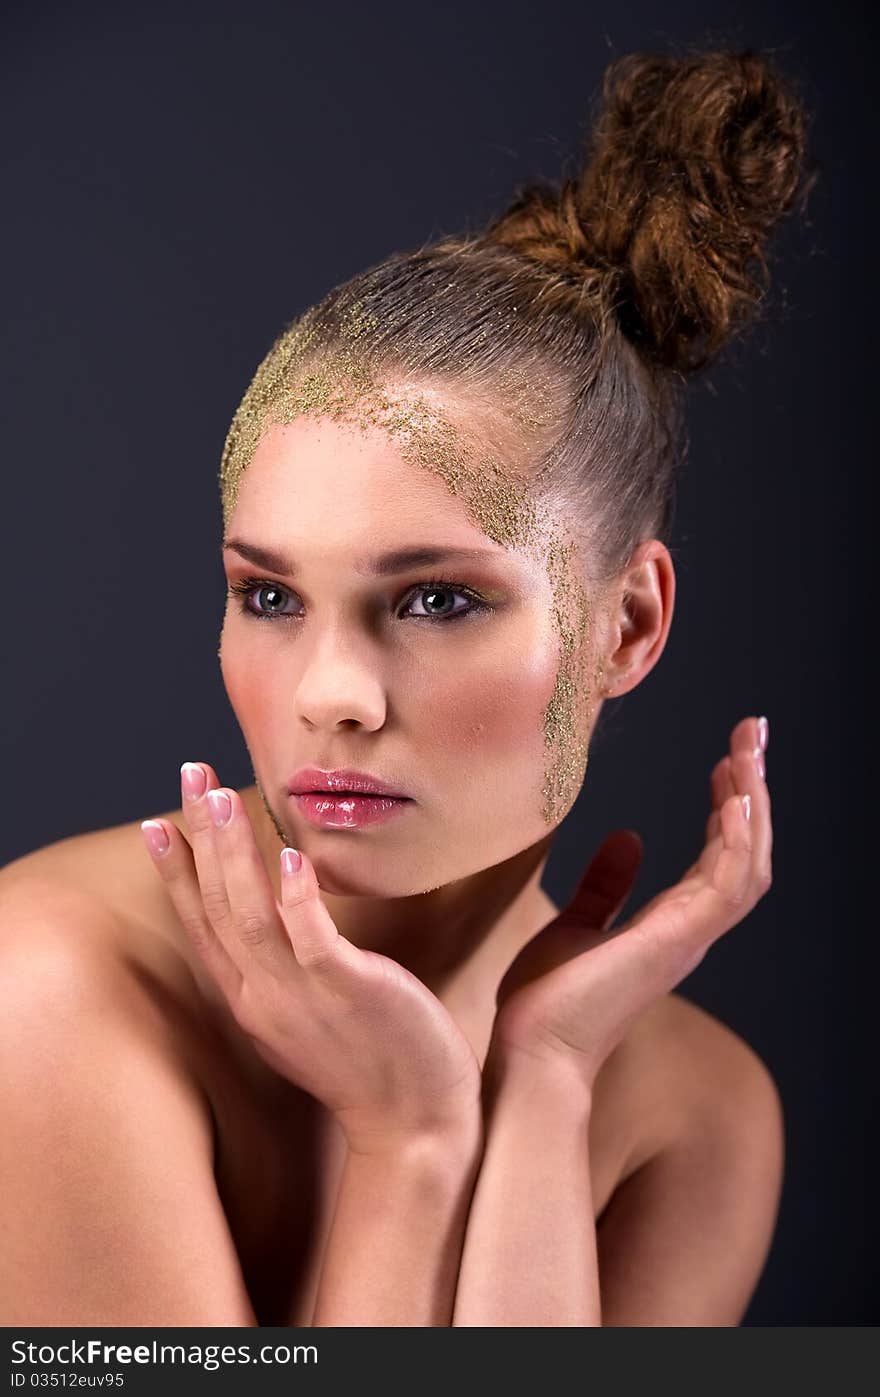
pixel 497 712
pixel 249 690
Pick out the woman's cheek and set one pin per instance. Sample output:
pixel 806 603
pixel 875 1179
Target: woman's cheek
pixel 486 700
pixel 250 689
pixel 492 706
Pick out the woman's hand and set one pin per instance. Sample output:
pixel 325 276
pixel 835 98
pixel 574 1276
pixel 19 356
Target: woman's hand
pixel 573 990
pixel 354 1028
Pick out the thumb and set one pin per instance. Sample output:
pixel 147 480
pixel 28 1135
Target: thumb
pixel 608 880
pixel 583 923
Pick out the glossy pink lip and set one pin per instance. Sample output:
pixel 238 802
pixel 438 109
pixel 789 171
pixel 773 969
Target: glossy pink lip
pixel 327 810
pixel 342 781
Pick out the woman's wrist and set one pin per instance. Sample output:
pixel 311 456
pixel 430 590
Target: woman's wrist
pixel 453 1147
pixel 535 1085
pixel 394 1249
pixel 529 1253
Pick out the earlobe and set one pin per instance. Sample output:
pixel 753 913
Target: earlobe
pixel 617 686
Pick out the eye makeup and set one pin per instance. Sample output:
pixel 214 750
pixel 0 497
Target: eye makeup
pixel 317 369
pixel 247 587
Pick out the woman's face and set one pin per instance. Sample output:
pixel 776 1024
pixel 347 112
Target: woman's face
pixel 432 676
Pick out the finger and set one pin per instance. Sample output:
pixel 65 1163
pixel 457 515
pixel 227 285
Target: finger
pixel 747 769
pixel 260 937
pixel 744 735
pixel 196 779
pixel 608 880
pixel 317 944
pixel 731 876
pixel 716 878
pixel 760 736
pixel 745 740
pixel 721 788
pixel 173 859
pixel 672 938
pixel 727 896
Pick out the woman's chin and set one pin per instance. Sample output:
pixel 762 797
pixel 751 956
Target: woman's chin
pixel 367 876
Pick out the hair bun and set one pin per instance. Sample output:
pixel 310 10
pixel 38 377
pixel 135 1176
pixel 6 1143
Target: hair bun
pixel 691 163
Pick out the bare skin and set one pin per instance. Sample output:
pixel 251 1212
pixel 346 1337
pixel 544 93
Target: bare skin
pixel 263 1131
pixel 276 1157
pixel 451 903
pixel 267 1129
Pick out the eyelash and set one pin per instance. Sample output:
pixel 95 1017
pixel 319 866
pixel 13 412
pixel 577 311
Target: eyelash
pixel 244 589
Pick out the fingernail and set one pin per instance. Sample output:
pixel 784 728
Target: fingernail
pixel 759 761
pixel 156 839
pixel 291 860
pixel 747 806
pixel 221 807
pixel 194 780
pixel 763 733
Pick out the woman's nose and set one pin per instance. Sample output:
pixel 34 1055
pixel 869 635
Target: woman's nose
pixel 336 687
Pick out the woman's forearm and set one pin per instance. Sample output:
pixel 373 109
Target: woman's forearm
pixel 394 1248
pixel 529 1255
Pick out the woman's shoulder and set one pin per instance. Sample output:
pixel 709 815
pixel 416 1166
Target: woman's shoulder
pixel 87 943
pixel 682 1071
pixel 93 900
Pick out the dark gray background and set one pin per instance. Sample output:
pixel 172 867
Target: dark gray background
pixel 179 182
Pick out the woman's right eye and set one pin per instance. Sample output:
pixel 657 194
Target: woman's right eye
pixel 250 587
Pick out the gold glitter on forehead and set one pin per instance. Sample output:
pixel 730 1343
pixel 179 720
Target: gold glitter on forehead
pixel 318 370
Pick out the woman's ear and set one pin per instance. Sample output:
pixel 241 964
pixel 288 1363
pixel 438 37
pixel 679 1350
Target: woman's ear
pixel 641 603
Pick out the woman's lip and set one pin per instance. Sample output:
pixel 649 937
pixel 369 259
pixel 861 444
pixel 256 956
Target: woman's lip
pixel 334 810
pixel 343 780
pixel 345 792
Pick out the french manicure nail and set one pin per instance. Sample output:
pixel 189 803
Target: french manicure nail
pixel 194 780
pixel 156 839
pixel 763 733
pixel 221 808
pixel 747 805
pixel 759 762
pixel 291 860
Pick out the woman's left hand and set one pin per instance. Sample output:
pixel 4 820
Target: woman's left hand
pixel 574 989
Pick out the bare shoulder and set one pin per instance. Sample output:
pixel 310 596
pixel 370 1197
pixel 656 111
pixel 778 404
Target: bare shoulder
pixel 48 910
pixel 100 892
pixel 109 1146
pixel 685 1234
pixel 82 968
pixel 682 1073
pixel 83 932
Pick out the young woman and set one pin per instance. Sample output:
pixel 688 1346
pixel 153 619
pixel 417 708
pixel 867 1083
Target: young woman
pixel 321 1050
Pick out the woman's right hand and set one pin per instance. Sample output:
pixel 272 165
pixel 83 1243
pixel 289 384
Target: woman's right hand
pixel 352 1027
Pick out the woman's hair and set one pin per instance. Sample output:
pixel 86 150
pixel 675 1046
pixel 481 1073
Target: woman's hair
pixel 575 315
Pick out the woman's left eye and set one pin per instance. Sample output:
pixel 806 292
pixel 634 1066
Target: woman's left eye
pixel 433 590
pixel 434 607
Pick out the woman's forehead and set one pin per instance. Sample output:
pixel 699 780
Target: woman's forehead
pixel 311 445
pixel 338 474
pixel 312 502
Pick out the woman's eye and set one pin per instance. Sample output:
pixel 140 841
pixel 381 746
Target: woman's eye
pixel 437 597
pixel 434 601
pixel 274 600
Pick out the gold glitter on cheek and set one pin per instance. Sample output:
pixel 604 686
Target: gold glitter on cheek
pixel 302 376
pixel 568 716
pixel 268 809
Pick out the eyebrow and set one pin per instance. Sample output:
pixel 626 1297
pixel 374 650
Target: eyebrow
pixel 400 560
